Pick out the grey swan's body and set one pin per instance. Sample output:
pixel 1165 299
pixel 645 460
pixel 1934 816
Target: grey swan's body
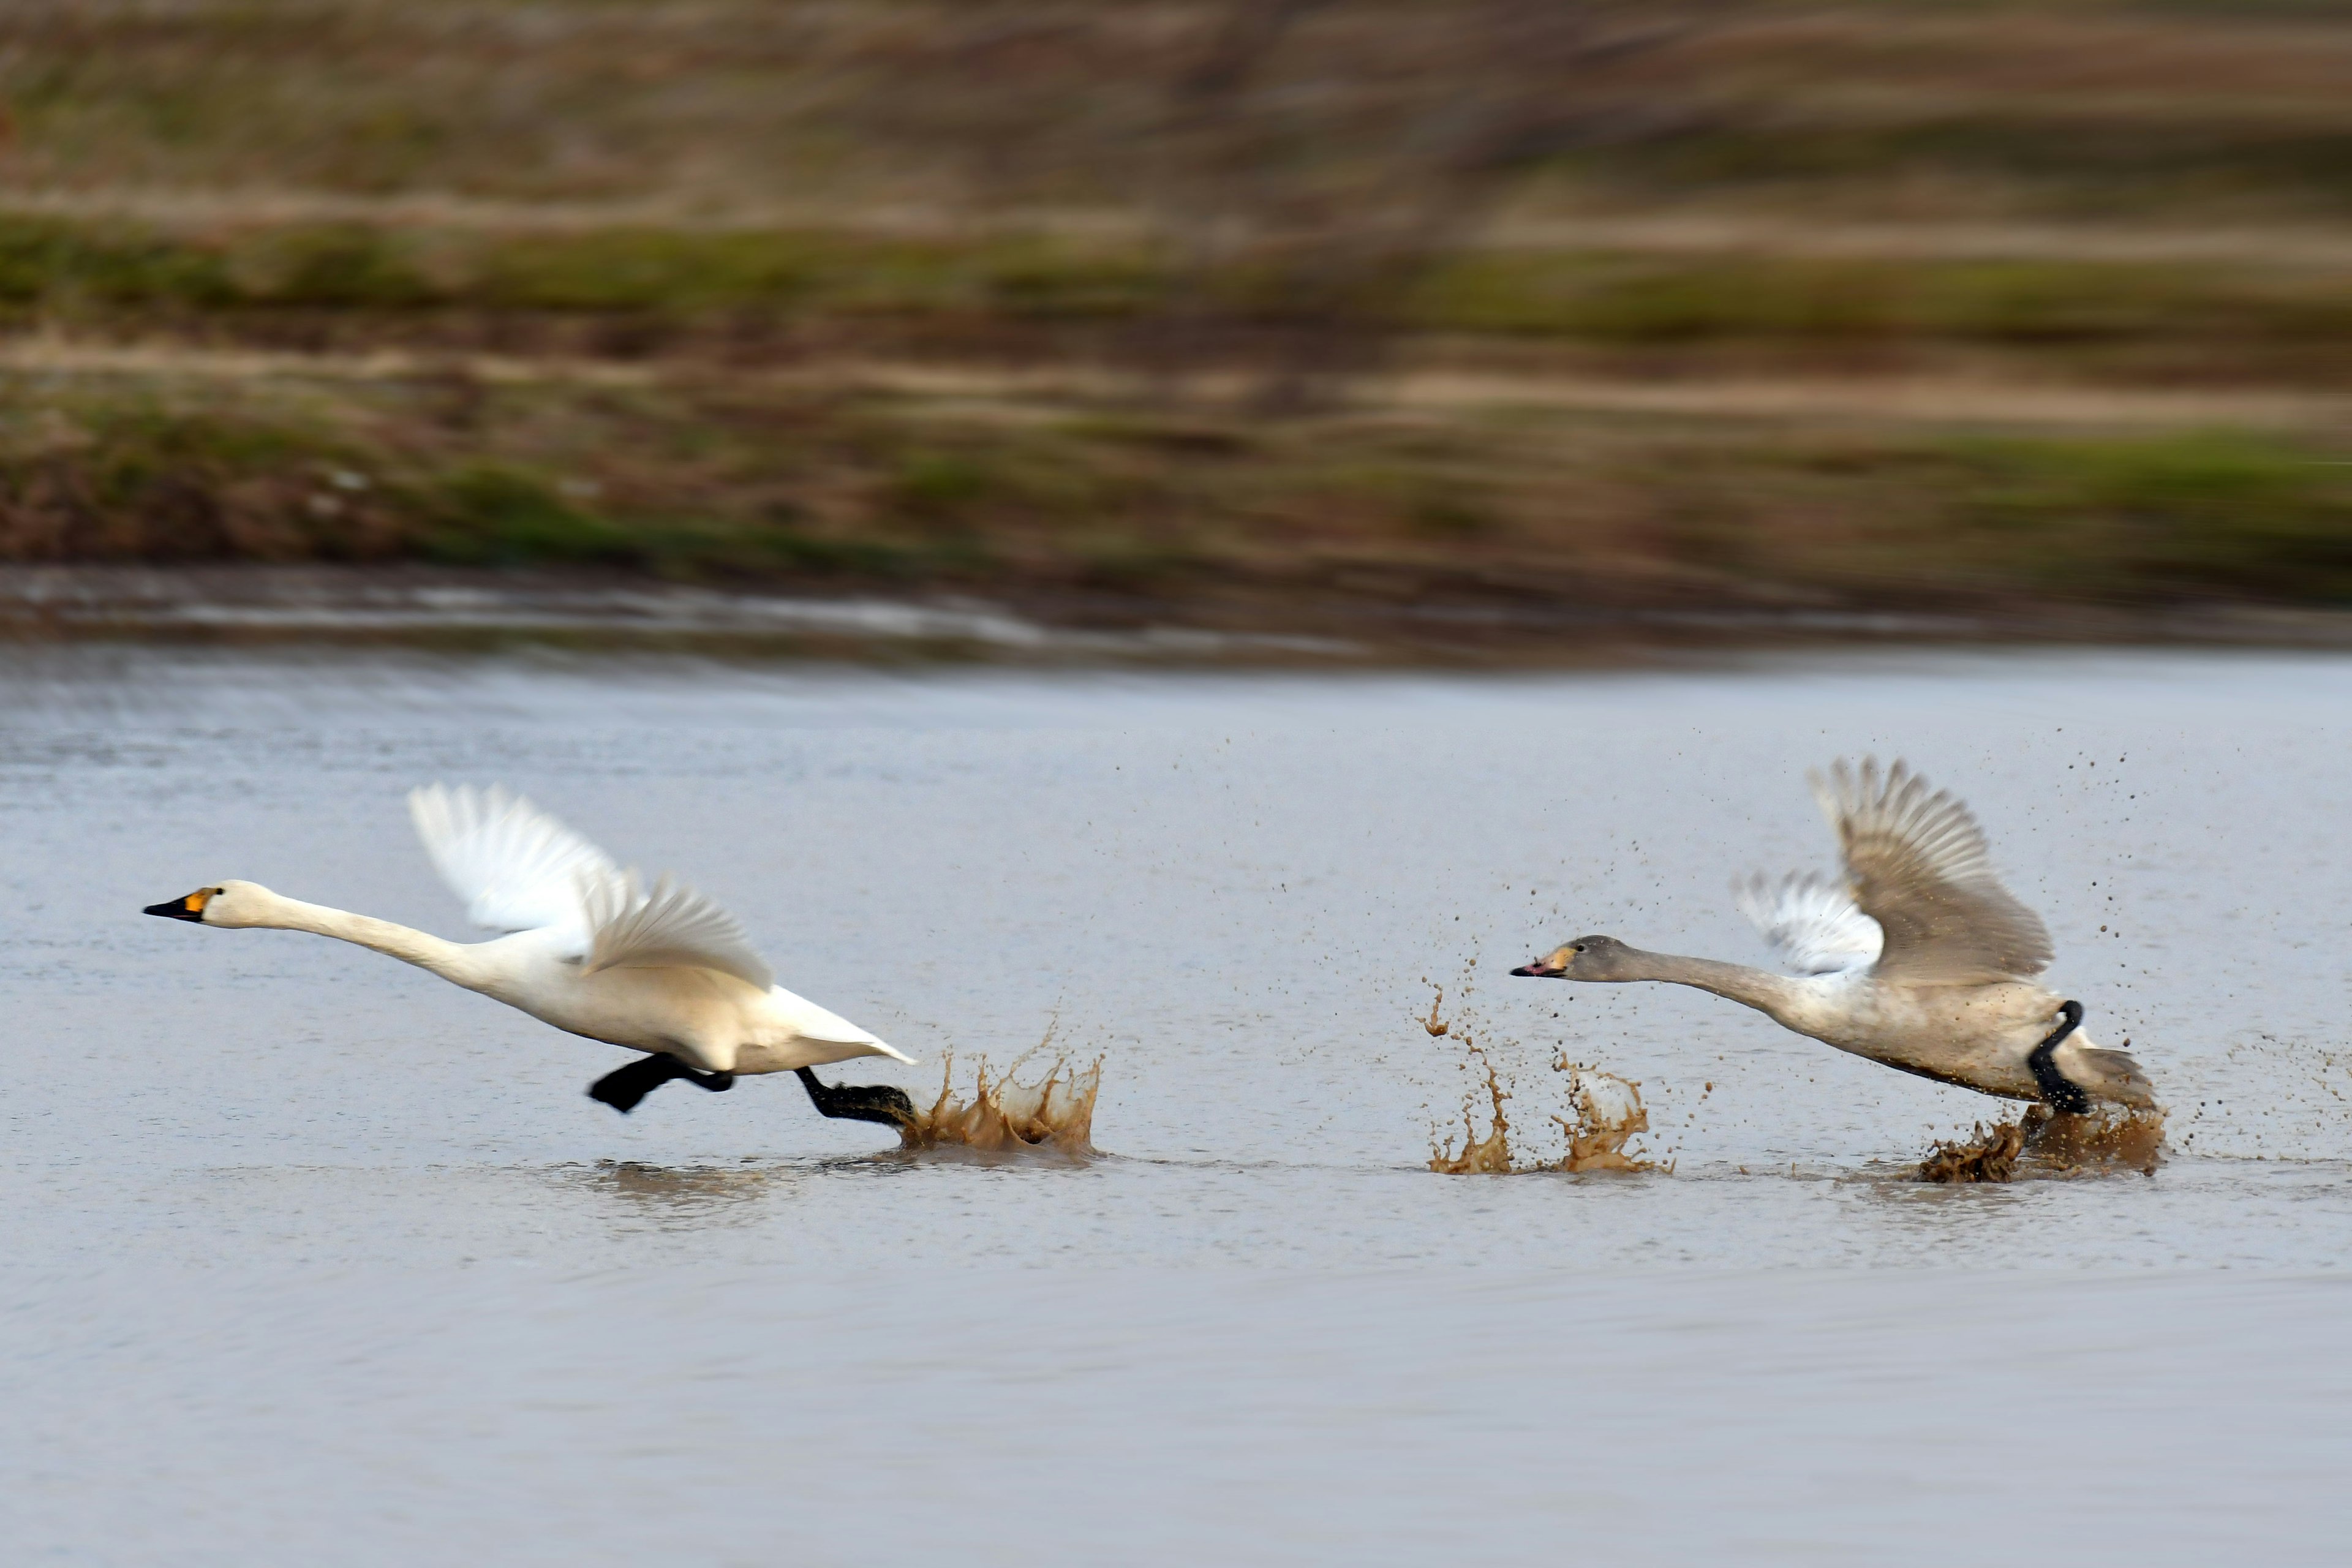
pixel 1922 961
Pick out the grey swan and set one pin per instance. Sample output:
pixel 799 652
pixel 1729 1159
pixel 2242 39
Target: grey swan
pixel 1922 961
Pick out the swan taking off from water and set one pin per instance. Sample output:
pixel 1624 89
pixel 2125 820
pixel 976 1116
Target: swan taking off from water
pixel 1921 962
pixel 594 951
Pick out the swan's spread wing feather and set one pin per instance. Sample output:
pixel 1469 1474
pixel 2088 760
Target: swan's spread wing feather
pixel 516 867
pixel 668 926
pixel 1921 868
pixel 1810 924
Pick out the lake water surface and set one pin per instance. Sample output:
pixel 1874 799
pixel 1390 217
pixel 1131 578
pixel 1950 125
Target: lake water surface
pixel 314 1258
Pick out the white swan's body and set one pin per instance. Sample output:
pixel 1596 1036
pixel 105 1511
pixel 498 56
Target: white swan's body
pixel 592 951
pixel 1924 964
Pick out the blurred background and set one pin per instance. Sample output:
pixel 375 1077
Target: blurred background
pixel 1523 315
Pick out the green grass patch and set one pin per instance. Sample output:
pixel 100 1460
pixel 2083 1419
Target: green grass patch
pixel 87 270
pixel 2217 514
pixel 1640 300
pixel 494 514
pixel 731 483
pixel 2220 513
pixel 46 261
pixel 62 264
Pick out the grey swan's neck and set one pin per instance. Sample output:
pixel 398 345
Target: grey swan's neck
pixel 1760 989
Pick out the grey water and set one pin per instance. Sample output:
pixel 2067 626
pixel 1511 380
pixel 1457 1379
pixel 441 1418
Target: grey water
pixel 310 1258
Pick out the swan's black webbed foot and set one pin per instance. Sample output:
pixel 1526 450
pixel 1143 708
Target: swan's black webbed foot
pixel 624 1088
pixel 2058 1093
pixel 859 1101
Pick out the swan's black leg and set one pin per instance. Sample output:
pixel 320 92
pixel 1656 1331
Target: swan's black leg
pixel 625 1088
pixel 2058 1093
pixel 859 1101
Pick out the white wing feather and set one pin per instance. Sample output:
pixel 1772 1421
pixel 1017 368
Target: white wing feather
pixel 517 869
pixel 1810 923
pixel 666 927
pixel 514 867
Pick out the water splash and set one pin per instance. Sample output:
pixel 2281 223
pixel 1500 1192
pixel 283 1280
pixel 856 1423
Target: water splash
pixel 1489 1155
pixel 1982 1156
pixel 2107 1142
pixel 1608 1113
pixel 2041 1144
pixel 1006 1115
pixel 2269 1097
pixel 1433 1025
pixel 1605 1114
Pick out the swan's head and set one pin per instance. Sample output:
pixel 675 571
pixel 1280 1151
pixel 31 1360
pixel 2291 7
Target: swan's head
pixel 225 904
pixel 1586 958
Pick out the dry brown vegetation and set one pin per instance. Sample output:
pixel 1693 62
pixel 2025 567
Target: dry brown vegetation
pixel 1495 308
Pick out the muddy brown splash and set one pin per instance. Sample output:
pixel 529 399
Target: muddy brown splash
pixel 2107 1141
pixel 1605 1114
pixel 1982 1156
pixel 2044 1145
pixel 1005 1114
pixel 1482 1155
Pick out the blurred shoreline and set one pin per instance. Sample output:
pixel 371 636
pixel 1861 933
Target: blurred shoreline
pixel 456 610
pixel 1511 331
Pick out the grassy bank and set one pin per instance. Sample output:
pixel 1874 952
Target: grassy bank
pixel 632 292
pixel 1923 305
pixel 729 481
pixel 2207 110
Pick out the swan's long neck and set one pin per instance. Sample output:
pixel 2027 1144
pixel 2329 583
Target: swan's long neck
pixel 452 961
pixel 1757 988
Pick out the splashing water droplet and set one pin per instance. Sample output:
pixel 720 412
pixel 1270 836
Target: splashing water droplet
pixel 1005 1115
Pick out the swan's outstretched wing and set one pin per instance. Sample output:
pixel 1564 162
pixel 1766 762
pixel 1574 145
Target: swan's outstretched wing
pixel 1920 867
pixel 516 867
pixel 1810 923
pixel 666 927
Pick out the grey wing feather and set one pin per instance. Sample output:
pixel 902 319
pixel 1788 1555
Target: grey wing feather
pixel 1921 868
pixel 668 926
pixel 1810 924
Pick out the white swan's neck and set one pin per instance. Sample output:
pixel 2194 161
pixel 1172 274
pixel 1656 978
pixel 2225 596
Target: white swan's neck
pixel 1775 994
pixel 453 960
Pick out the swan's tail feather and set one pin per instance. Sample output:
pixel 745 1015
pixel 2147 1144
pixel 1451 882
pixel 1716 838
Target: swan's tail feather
pixel 808 1021
pixel 2110 1075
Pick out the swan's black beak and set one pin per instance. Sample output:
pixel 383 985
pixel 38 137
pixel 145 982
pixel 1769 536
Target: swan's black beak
pixel 190 908
pixel 1540 969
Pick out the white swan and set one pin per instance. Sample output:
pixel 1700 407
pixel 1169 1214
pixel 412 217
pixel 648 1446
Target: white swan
pixel 593 950
pixel 1920 962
